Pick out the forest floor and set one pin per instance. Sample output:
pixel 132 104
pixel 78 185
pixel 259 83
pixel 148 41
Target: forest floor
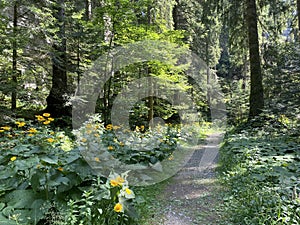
pixel 192 196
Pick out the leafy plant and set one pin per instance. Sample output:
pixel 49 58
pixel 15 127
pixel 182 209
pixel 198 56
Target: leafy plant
pixel 261 166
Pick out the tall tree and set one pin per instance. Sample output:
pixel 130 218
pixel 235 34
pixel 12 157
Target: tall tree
pixel 298 13
pixel 56 101
pixel 15 55
pixel 256 88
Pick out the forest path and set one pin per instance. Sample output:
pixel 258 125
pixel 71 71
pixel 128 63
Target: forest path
pixel 192 196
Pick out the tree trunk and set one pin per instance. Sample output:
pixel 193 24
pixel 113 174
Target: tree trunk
pixel 56 101
pixel 298 13
pixel 88 10
pixel 256 88
pixel 14 60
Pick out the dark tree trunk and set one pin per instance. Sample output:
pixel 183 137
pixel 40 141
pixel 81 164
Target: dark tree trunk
pixel 56 101
pixel 256 88
pixel 298 13
pixel 14 60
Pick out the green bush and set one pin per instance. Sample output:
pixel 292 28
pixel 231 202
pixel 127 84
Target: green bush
pixel 44 178
pixel 261 168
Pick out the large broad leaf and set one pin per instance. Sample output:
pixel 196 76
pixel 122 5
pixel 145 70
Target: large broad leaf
pixel 38 209
pixel 27 163
pixel 6 221
pixel 50 159
pixel 6 173
pixel 21 198
pixel 29 205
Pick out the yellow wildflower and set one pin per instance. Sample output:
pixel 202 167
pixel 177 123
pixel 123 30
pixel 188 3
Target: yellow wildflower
pixel 47 122
pixel 97 159
pixel 51 119
pixel 171 157
pixel 120 179
pixel 118 207
pixel 30 135
pixel 40 118
pixel 52 132
pixel 121 144
pixel 6 128
pixel 9 135
pixel 109 127
pixel 13 158
pixel 84 140
pixel 114 183
pixel 60 169
pixel 128 191
pixel 20 123
pixel 46 114
pixel 110 148
pixel 50 140
pixel 1 131
pixel 32 130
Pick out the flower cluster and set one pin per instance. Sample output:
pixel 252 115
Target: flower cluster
pixel 45 118
pixel 124 193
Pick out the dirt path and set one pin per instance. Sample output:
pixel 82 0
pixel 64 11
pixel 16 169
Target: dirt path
pixel 192 195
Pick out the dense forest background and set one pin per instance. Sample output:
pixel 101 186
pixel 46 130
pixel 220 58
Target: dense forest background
pixel 253 47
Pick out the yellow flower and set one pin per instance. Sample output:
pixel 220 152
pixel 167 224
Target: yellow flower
pixel 109 127
pixel 120 179
pixel 118 207
pixel 46 114
pixel 20 123
pixel 13 158
pixel 51 119
pixel 50 140
pixel 142 128
pixel 6 128
pixel 52 132
pixel 110 148
pixel 47 122
pixel 97 159
pixel 121 144
pixel 32 130
pixel 114 183
pixel 30 135
pixel 60 169
pixel 40 118
pixel 128 191
pixel 1 131
pixel 171 157
pixel 9 135
pixel 84 140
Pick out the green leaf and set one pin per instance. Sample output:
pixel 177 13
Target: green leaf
pixel 50 160
pixel 35 181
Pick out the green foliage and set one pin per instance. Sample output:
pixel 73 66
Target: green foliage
pixel 260 167
pixel 43 174
pixel 140 146
pixel 107 202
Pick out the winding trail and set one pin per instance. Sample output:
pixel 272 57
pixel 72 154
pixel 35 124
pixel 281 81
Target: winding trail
pixel 192 195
